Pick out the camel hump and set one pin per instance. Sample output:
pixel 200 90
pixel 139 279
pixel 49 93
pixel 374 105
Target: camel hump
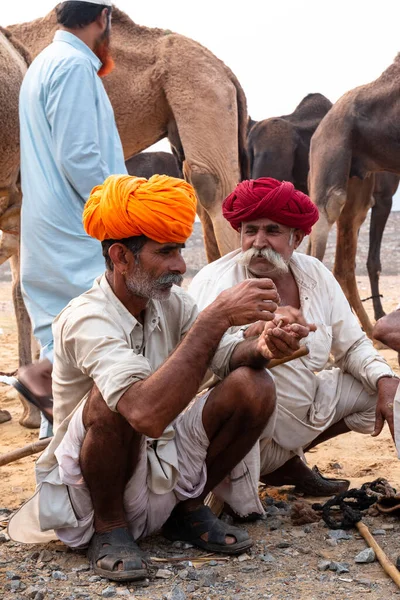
pixel 18 46
pixel 310 111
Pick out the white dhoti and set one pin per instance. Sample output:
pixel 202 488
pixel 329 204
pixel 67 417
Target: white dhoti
pixel 147 511
pixel 351 403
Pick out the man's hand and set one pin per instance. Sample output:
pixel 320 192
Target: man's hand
pixel 280 342
pixel 247 302
pixel 284 315
pixel 387 388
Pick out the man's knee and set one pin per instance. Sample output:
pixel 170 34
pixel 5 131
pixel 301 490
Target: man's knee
pixel 255 394
pixel 96 414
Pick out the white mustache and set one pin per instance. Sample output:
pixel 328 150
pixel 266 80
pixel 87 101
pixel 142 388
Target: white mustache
pixel 273 257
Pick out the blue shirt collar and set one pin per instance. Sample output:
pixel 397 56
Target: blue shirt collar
pixel 70 38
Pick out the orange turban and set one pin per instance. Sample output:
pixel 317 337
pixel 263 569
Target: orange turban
pixel 161 208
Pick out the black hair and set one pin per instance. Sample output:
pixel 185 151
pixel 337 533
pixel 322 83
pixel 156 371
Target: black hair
pixel 76 15
pixel 134 244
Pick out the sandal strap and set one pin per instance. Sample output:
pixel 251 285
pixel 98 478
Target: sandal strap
pixel 114 547
pixel 202 520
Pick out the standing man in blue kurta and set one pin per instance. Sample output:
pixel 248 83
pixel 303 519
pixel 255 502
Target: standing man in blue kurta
pixel 69 144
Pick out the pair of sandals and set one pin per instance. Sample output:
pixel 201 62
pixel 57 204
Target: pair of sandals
pixel 116 556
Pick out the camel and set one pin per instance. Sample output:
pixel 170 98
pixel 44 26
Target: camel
pixel 167 85
pixel 14 60
pixel 279 147
pixel 146 164
pixel 356 139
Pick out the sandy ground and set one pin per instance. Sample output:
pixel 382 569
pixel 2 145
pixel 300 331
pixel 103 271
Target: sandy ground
pixel 294 572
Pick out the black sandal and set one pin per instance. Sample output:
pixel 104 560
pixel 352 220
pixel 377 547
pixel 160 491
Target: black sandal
pixel 319 485
pixel 108 550
pixel 191 525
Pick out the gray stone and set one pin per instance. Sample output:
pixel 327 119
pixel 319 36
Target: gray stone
pixel 339 534
pixel 177 594
pixel 82 568
pixel 59 575
pixel 365 556
pixel 272 511
pixel 283 545
pixel 339 567
pixel 379 532
pixel 109 592
pixel 4 538
pixel 331 542
pixel 40 595
pixel 31 591
pixel 208 577
pixel 12 575
pixel 324 565
pixel 267 557
pixel 45 556
pixel 183 574
pixel 164 574
pixel 94 578
pixel 273 524
pixel 190 588
pixel 16 584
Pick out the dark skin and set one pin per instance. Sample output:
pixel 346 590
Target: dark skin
pixel 148 406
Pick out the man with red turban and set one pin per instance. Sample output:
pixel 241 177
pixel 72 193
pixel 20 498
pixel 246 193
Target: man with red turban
pixel 131 451
pixel 313 404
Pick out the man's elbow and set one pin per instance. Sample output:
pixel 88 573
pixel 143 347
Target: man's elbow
pixel 146 425
pixel 382 330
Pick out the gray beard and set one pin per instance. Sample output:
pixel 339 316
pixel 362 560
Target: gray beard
pixel 143 285
pixel 279 264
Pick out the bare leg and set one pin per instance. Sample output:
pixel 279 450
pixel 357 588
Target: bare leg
pixel 234 417
pixel 110 437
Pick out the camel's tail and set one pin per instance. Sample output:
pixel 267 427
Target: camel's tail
pixel 242 127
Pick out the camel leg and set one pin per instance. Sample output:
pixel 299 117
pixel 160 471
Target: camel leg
pixel 328 179
pixel 359 200
pixel 31 415
pixel 208 130
pixel 379 216
pixel 210 242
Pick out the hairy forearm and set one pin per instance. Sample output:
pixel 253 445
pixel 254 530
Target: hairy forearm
pixel 152 404
pixel 246 355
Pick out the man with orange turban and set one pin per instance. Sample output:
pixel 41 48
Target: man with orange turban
pixel 131 451
pixel 313 404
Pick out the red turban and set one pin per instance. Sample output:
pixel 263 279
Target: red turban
pixel 268 198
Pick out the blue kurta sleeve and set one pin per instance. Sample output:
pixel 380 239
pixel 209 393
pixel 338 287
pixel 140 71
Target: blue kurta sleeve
pixel 71 111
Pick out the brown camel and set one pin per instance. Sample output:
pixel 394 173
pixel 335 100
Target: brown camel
pixel 357 138
pixel 14 60
pixel 167 85
pixel 279 147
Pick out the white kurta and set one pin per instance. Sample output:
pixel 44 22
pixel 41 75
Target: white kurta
pixel 308 396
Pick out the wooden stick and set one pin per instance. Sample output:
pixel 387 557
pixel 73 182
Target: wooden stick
pixel 386 563
pixel 303 351
pixel 27 450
